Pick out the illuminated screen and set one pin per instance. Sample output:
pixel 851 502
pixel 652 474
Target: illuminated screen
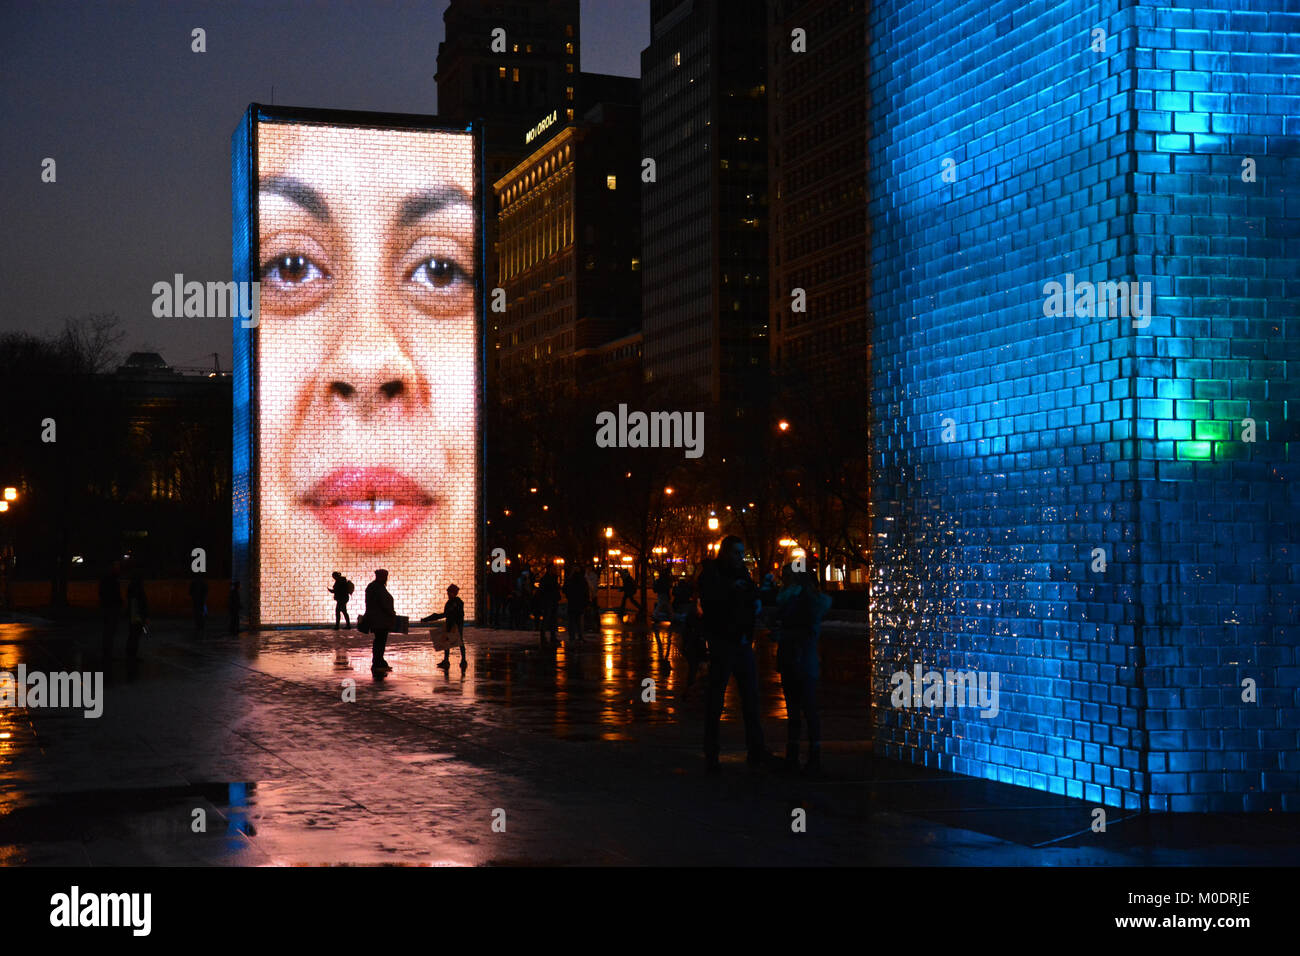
pixel 364 367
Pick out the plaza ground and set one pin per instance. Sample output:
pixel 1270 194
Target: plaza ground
pixel 254 732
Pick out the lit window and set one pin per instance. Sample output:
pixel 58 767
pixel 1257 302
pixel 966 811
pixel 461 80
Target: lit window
pixel 516 48
pixel 611 181
pixel 568 92
pixel 528 48
pixel 568 48
pixel 677 58
pixel 568 29
pixel 501 72
pixel 568 114
pixel 636 265
pixel 515 77
pixel 568 68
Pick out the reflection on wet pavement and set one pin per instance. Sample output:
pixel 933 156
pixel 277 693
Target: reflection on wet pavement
pixel 261 750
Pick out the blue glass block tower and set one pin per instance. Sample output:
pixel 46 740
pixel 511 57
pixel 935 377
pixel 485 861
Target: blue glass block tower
pixel 1097 506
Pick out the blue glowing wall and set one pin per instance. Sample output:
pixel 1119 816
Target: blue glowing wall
pixel 1013 449
pixel 242 164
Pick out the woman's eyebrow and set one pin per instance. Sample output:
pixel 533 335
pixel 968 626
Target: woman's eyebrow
pixel 429 201
pixel 299 193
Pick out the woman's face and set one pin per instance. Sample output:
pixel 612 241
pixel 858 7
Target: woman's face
pixel 366 364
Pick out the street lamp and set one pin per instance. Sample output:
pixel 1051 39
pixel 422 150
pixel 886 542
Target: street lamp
pixel 609 532
pixel 11 494
pixel 783 425
pixel 4 506
pixel 713 524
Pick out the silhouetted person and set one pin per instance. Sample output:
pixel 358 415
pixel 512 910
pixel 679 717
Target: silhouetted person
pixel 522 602
pixel 233 607
pixel 199 601
pixel 690 626
pixel 548 606
pixel 629 592
pixel 380 619
pixel 729 600
pixel 110 605
pixel 453 612
pixel 499 588
pixel 576 597
pixel 800 607
pixel 593 589
pixel 137 614
pixel 342 590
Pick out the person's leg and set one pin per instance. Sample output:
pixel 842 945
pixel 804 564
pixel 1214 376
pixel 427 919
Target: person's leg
pixel 812 707
pixel 791 687
pixel 460 633
pixel 747 677
pixel 719 674
pixel 347 620
pixel 338 610
pixel 377 647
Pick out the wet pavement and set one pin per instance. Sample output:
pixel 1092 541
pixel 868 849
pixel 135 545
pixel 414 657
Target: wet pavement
pixel 525 757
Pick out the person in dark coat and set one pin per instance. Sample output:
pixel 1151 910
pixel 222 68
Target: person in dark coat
pixel 380 619
pixel 800 607
pixel 577 598
pixel 729 601
pixel 110 606
pixel 548 606
pixel 629 593
pixel 453 612
pixel 342 590
pixel 137 615
pixel 499 589
pixel 199 601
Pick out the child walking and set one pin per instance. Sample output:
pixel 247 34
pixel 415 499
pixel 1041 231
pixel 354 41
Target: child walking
pixel 453 612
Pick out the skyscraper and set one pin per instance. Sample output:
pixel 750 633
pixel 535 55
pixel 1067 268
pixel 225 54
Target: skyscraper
pixel 817 148
pixel 512 90
pixel 704 217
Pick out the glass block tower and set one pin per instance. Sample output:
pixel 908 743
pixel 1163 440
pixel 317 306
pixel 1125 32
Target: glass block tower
pixel 1084 275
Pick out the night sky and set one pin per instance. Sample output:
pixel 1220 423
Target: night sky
pixel 140 129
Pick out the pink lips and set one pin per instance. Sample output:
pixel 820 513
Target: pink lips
pixel 370 509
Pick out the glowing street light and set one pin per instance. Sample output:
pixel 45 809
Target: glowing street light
pixel 609 532
pixel 4 506
pixel 783 425
pixel 11 494
pixel 713 524
pixel 668 491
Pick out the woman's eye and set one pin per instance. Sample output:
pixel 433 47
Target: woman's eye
pixel 437 273
pixel 291 269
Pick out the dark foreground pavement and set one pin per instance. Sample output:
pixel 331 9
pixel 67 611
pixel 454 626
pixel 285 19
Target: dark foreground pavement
pixel 254 732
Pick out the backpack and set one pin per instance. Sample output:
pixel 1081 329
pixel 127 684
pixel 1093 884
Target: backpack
pixel 351 587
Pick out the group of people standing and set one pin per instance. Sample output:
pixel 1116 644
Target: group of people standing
pixel 731 607
pixel 515 599
pixel 380 618
pixel 136 605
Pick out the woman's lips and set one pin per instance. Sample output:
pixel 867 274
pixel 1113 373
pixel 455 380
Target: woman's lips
pixel 370 509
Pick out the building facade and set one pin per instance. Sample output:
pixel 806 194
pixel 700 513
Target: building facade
pixel 568 250
pixel 1089 491
pixel 817 155
pixel 511 90
pixel 704 216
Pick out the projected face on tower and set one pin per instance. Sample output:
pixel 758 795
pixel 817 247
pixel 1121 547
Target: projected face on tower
pixel 365 364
